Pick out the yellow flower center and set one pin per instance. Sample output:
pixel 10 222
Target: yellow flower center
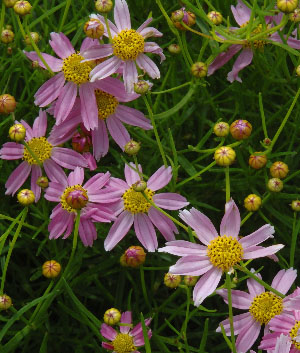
pixel 40 147
pixel 123 343
pixel 76 71
pixel 107 104
pixel 135 202
pixel 128 44
pixel 224 252
pixel 294 334
pixel 256 44
pixel 74 198
pixel 265 306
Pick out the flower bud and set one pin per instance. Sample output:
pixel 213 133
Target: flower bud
pixel 295 16
pixel 298 70
pixel 240 129
pixel 9 50
pixel 51 269
pixel 139 186
pixel 141 87
pixel 9 3
pixel 132 147
pixel 190 281
pixel 7 104
pixel 199 69
pixel 35 64
pixel 112 316
pixel 257 160
pixel 43 182
pixel 81 142
pixel 7 36
pixel 17 132
pixel 189 19
pixel 295 205
pixel 8 27
pixel 34 36
pixel 287 6
pixel 22 7
pixel 275 185
pixel 224 156
pixel 177 15
pixel 221 129
pixel 26 197
pixel 267 141
pixel 252 202
pixel 215 17
pixel 279 170
pixel 103 6
pixel 174 49
pixel 134 256
pixel 93 28
pixel 5 302
pixel 172 281
pixel 77 198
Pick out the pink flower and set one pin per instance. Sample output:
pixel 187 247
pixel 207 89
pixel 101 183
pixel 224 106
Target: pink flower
pixel 73 76
pixel 262 306
pixel 283 345
pixel 220 253
pixel 49 156
pixel 128 47
pixel 133 208
pixel 242 14
pixel 73 197
pixel 128 339
pixel 111 115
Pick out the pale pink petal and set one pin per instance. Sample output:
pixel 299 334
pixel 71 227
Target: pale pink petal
pixel 122 15
pixel 254 287
pixel 65 102
pixel 92 165
pixel 283 344
pixel 223 58
pixel 170 201
pixel 138 328
pixel 40 124
pixel 284 280
pixel 163 224
pixel 243 60
pixel 108 332
pixel 87 232
pixel 206 285
pixel 291 304
pixel 68 158
pixel 239 323
pixel 118 230
pixel 150 32
pixel 139 341
pixel 107 346
pixel 113 29
pixel 145 63
pixel 191 265
pixel 151 47
pixel 160 178
pixel 131 176
pixel 61 45
pixel 145 231
pixel 55 172
pixel 12 150
pixel 269 341
pixel 100 140
pixel 247 337
pixel 94 184
pixel 144 24
pixel 17 178
pixel 276 18
pixel 184 248
pixel 88 42
pixel 133 117
pixel 117 184
pixel 130 75
pixel 291 42
pixel 29 132
pixel 36 172
pixel 105 69
pixel 62 223
pixel 118 131
pixel 76 177
pixel 263 233
pixel 54 191
pixel 50 90
pixel 240 300
pixel 282 323
pixel 89 108
pixel 97 52
pixel 241 13
pixel 54 63
pixel 126 319
pixel 231 220
pixel 255 254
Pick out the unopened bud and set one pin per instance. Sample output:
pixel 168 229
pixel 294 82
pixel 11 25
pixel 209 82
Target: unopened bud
pixel 5 302
pixel 287 6
pixel 275 185
pixel 26 197
pixel 132 147
pixel 7 104
pixel 93 28
pixel 139 186
pixel 43 182
pixel 174 49
pixel 221 129
pixel 190 281
pixel 177 15
pixel 215 17
pixel 9 3
pixel 51 269
pixel 279 170
pixel 81 142
pixel 134 257
pixel 267 141
pixel 77 198
pixel 240 129
pixel 257 160
pixel 7 36
pixel 103 6
pixel 252 202
pixel 199 69
pixel 112 316
pixel 298 70
pixel 224 156
pixel 9 50
pixel 295 16
pixel 141 87
pixel 35 64
pixel 22 7
pixel 34 36
pixel 8 27
pixel 295 205
pixel 17 132
pixel 172 281
pixel 189 19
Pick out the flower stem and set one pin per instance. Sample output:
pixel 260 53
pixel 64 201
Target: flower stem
pixel 228 286
pixel 197 174
pixel 262 114
pixel 173 88
pixel 68 3
pixel 108 29
pixel 137 167
pixel 294 239
pixel 227 180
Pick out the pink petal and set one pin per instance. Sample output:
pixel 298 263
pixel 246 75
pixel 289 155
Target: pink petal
pixel 144 24
pixel 87 232
pixel 130 75
pixel 191 265
pixel 54 191
pixel 263 233
pixel 105 69
pixel 50 90
pixel 12 150
pixel 107 346
pixel 131 175
pixel 255 254
pixel 61 45
pixel 184 248
pixel 118 230
pixel 97 52
pixel 122 15
pixel 126 319
pixel 269 341
pixel 138 328
pixel 145 63
pixel 89 108
pixel 150 32
pixel 151 47
pixel 282 323
pixel 54 63
pixel 36 172
pixel 61 223
pixel 68 158
pixel 170 201
pixel 247 337
pixel 55 172
pixel 243 60
pixel 241 13
pixel 113 29
pixel 254 287
pixel 223 58
pixel 145 231
pixel 65 102
pixel 87 43
pixel 108 332
pixel 17 178
pixel 206 285
pixel 284 280
pixel 292 42
pixel 76 177
pixel 29 132
pixel 239 323
pixel 94 184
pixel 163 224
pixel 240 300
pixel 133 117
pixel 160 178
pixel 40 124
pixel 100 140
pixel 283 344
pixel 231 221
pixel 118 131
pixel 90 160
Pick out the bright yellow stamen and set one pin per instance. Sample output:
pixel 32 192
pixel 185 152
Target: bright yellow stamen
pixel 71 204
pixel 76 71
pixel 40 147
pixel 128 44
pixel 135 202
pixel 265 306
pixel 123 343
pixel 224 252
pixel 107 104
pixel 294 333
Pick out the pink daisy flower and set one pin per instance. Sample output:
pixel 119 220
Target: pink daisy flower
pixel 262 306
pixel 128 47
pixel 133 208
pixel 45 149
pixel 128 339
pixel 72 196
pixel 220 253
pixel 283 345
pixel 109 93
pixel 242 15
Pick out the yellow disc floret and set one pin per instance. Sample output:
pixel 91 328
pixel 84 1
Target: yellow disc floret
pixel 265 306
pixel 74 198
pixel 106 103
pixel 135 202
pixel 224 252
pixel 123 343
pixel 76 71
pixel 128 44
pixel 256 44
pixel 40 147
pixel 294 333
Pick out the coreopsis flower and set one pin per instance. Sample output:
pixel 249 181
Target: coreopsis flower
pixel 242 15
pixel 262 306
pixel 283 345
pixel 127 339
pixel 52 158
pixel 220 252
pixel 133 208
pixel 73 197
pixel 128 47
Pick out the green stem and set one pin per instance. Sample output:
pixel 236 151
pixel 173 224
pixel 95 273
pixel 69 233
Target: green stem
pixel 228 286
pixel 197 174
pixel 294 239
pixel 173 89
pixel 2 15
pixel 21 27
pixel 227 179
pixel 32 154
pixel 183 37
pixel 137 167
pixel 144 290
pixel 108 29
pixel 68 3
pixel 2 216
pixel 262 114
pixel 185 323
pixel 40 303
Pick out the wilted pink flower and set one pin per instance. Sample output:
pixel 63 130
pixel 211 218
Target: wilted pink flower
pixel 262 306
pixel 220 253
pixel 133 208
pixel 128 339
pixel 242 15
pixel 73 197
pixel 51 157
pixel 128 47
